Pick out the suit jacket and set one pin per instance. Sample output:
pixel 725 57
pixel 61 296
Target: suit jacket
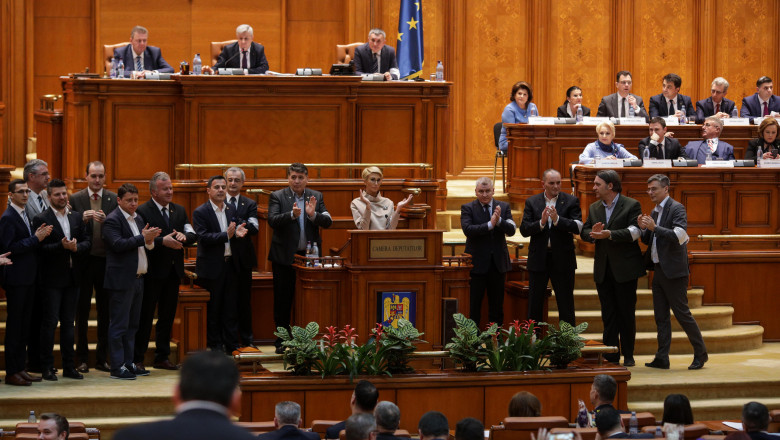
pixel 752 148
pixel 621 252
pixel 659 106
pixel 483 244
pixel 762 435
pixel 672 149
pixel 230 57
pixel 195 424
pixel 243 248
pixel 108 202
pixel 672 256
pixel 560 236
pixel 152 59
pixel 32 208
pixel 211 240
pixel 284 242
pixel 563 113
pixel 333 431
pixel 289 432
pixel 706 107
pixel 363 56
pixel 121 250
pixel 634 436
pixel 22 243
pixel 163 259
pixel 752 108
pixel 61 267
pixel 609 106
pixel 698 150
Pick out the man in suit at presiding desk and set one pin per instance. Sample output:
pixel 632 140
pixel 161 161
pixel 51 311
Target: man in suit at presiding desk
pixel 205 397
pixel 719 150
pixel 376 57
pixel 141 58
pixel 287 420
pixel 617 104
pixel 244 53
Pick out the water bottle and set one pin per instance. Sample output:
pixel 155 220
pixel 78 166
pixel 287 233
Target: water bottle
pixel 582 416
pixel 533 112
pixel 578 118
pixel 709 154
pixel 633 424
pixel 112 74
pixel 439 71
pixel 31 418
pixel 759 155
pixel 120 69
pixel 658 432
pixel 646 154
pixel 315 252
pixel 734 113
pixel 308 254
pixel 196 65
pixel 630 111
pixel 683 117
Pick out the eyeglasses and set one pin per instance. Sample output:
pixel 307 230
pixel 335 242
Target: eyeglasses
pixel 22 191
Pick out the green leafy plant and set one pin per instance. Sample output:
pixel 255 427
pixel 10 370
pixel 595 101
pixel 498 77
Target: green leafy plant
pixel 301 352
pixel 468 346
pixel 566 343
pixel 394 345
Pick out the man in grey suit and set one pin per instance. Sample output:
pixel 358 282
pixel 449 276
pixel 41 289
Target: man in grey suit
pixel 617 104
pixel 667 254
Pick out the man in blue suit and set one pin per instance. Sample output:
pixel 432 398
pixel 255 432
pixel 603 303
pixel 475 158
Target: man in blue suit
pixel 717 104
pixel 126 235
pixel 18 237
pixel 141 58
pixel 244 53
pixel 719 150
pixel 376 57
pixel 763 102
pixel 670 102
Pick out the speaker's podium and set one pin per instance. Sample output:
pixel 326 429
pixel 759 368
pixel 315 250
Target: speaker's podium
pixel 384 275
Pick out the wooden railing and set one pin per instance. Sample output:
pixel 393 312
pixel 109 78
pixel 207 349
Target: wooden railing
pixel 318 167
pixel 744 237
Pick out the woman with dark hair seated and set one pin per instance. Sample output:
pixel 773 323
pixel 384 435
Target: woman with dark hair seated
pixel 525 404
pixel 573 101
pixel 518 110
pixel 767 139
pixel 677 410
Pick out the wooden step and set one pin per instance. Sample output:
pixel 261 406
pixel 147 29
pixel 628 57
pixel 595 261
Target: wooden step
pixel 148 358
pixel 588 299
pixel 707 317
pixel 91 331
pixel 4 310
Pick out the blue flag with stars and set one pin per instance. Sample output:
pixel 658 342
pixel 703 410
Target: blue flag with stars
pixel 410 39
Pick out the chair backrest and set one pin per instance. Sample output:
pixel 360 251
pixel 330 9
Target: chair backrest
pixel 774 421
pixel 497 132
pixel 534 423
pixel 712 437
pixel 321 426
pixel 346 52
pixel 216 49
pixel 643 418
pixel 108 52
pixel 696 430
pixel 585 433
pixel 257 427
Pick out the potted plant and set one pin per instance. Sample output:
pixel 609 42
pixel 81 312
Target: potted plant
pixel 301 351
pixel 566 343
pixel 468 346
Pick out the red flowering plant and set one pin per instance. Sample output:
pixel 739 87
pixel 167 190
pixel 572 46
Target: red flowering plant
pixel 394 345
pixel 329 356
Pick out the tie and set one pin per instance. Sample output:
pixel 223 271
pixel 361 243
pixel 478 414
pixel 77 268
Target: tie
pixel 95 196
pixel 717 108
pixel 243 59
pixel 374 63
pixel 165 216
pixel 671 108
pixel 623 109
pixel 711 144
pixel 40 203
pixel 26 221
pixel 661 151
pixel 232 204
pixel 766 110
pixel 138 64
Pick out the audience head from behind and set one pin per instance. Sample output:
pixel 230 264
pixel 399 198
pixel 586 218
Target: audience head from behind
pixel 287 413
pixel 608 422
pixel 433 425
pixel 603 390
pixel 53 427
pixel 525 404
pixel 208 378
pixel 677 410
pixel 297 177
pixel 755 417
pixel 364 397
pixel 469 429
pixel 387 416
pixel 361 426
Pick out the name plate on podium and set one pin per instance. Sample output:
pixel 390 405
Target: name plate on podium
pixel 632 121
pixel 594 120
pixel 538 120
pixel 719 164
pixel 657 163
pixel 396 249
pixel 609 163
pixel 671 120
pixel 736 121
pixel 769 163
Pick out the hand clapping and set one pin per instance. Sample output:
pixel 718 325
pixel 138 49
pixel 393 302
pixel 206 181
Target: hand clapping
pixel 598 232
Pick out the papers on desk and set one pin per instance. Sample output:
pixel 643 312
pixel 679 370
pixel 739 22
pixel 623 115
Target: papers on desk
pixel 734 425
pixel 736 121
pixel 657 163
pixel 538 120
pixel 719 164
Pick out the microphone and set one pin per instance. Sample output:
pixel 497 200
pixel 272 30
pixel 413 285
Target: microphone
pixel 216 66
pixel 615 150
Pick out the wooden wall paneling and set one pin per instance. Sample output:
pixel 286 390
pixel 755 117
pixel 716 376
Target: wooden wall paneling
pixel 17 79
pixel 379 126
pixel 138 154
pixel 464 402
pixel 357 15
pixel 456 21
pixel 317 295
pixel 329 405
pixel 705 66
pixel 622 37
pixel 555 400
pixel 313 33
pixel 262 406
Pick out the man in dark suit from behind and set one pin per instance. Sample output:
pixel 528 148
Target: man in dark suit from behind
pixel 94 203
pixel 660 142
pixel 612 226
pixel 363 400
pixel 755 421
pixel 670 102
pixel 360 427
pixel 664 232
pixel 296 215
pixel 717 104
pixel 61 256
pixel 166 269
pixel 487 222
pixel 433 425
pixel 376 57
pixel 127 237
pixel 551 219
pixel 244 212
pixel 18 238
pixel 205 398
pixel 388 418
pixel 469 429
pixel 140 57
pixel 244 53
pixel 602 393
pixel 287 420
pixel 610 425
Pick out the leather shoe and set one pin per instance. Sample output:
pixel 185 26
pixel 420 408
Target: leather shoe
pixel 16 379
pixel 103 366
pixel 83 368
pixel 26 376
pixel 166 365
pixel 72 373
pixel 697 364
pixel 50 375
pixel 658 363
pixel 629 362
pixel 138 369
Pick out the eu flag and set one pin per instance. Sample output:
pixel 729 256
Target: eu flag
pixel 410 39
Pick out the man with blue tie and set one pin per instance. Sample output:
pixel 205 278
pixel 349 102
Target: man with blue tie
pixel 18 237
pixel 763 102
pixel 717 149
pixel 140 57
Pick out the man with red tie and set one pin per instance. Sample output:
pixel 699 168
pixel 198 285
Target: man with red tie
pixel 763 102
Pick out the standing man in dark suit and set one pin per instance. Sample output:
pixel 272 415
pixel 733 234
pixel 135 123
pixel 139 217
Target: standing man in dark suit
pixel 716 105
pixel 206 396
pixel 61 257
pixel 287 420
pixel 245 212
pixel 126 235
pixel 660 142
pixel 95 203
pixel 551 219
pixel 612 225
pixel 376 57
pixel 141 58
pixel 216 265
pixel 243 54
pixel 296 214
pixel 18 237
pixel 166 270
pixel 763 102
pixel 487 222
pixel 670 102
pixel 664 232
pixel 718 149
pixel 617 104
